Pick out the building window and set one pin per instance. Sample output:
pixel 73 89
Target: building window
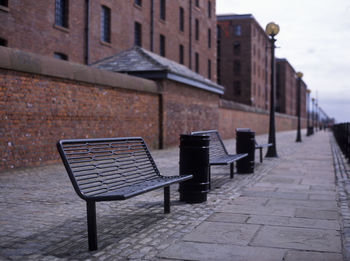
pixel 237 30
pixel 181 54
pixel 197 3
pixel 5 3
pixel 209 38
pixel 105 24
pixel 181 19
pixel 3 42
pixel 162 9
pixel 137 34
pixel 61 12
pixel 138 2
pixel 209 69
pixel 209 9
pixel 237 67
pixel 237 88
pixel 236 48
pixel 197 29
pixel 61 56
pixel 162 45
pixel 196 55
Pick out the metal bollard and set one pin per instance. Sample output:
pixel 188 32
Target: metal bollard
pixel 245 143
pixel 194 159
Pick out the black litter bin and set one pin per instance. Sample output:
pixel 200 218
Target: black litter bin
pixel 245 143
pixel 194 159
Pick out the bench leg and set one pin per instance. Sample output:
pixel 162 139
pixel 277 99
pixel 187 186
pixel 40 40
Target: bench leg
pixel 232 173
pixel 261 157
pixel 167 199
pixel 91 222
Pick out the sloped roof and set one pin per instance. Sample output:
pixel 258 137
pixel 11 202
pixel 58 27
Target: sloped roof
pixel 140 62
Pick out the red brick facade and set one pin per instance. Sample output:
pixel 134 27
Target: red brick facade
pixel 30 26
pixel 244 60
pixel 286 89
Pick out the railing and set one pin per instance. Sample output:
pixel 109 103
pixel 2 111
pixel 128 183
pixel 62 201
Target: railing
pixel 342 135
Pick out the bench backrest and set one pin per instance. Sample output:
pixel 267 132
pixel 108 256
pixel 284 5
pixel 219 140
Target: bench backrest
pixel 96 166
pixel 216 146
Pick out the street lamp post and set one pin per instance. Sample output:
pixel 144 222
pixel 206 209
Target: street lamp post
pixel 309 131
pixel 299 76
pixel 313 115
pixel 272 30
pixel 316 115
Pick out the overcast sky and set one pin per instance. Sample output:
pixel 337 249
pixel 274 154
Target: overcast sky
pixel 315 38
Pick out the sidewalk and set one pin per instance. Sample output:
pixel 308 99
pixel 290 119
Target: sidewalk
pixel 287 210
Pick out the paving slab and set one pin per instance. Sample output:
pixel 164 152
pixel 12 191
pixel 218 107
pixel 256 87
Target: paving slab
pixel 258 210
pixel 280 179
pixel 316 213
pixel 311 204
pixel 294 255
pixel 298 238
pixel 304 187
pixel 248 201
pixel 223 232
pixel 228 217
pixel 223 252
pixel 274 194
pixel 324 196
pixel 293 222
pixel 325 187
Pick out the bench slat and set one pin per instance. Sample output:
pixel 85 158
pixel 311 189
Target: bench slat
pixel 96 166
pixel 227 159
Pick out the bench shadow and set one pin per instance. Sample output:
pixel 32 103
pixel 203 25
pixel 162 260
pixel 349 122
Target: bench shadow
pixel 69 239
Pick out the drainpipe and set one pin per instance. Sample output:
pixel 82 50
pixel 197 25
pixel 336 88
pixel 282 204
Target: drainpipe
pixel 190 42
pixel 152 17
pixel 86 31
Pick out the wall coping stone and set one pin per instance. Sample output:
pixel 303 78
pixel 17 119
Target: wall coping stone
pixel 17 60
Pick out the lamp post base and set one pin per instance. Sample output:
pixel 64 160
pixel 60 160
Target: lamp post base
pixel 271 152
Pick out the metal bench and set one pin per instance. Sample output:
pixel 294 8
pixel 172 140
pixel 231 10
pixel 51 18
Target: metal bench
pixel 112 169
pixel 260 147
pixel 218 154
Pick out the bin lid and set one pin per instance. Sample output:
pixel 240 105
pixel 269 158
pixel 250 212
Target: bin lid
pixel 243 130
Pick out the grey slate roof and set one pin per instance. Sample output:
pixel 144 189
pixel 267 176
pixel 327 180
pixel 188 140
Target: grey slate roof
pixel 140 62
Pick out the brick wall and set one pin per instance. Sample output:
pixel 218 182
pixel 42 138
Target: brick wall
pixel 37 110
pixel 186 109
pixel 233 115
pixel 43 100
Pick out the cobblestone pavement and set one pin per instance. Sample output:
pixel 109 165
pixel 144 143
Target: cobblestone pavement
pixel 41 217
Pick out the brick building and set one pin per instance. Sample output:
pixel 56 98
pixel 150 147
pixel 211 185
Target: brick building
pixel 286 89
pixel 243 60
pixel 85 31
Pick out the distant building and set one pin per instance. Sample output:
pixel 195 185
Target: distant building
pixel 286 89
pixel 243 60
pixel 86 31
